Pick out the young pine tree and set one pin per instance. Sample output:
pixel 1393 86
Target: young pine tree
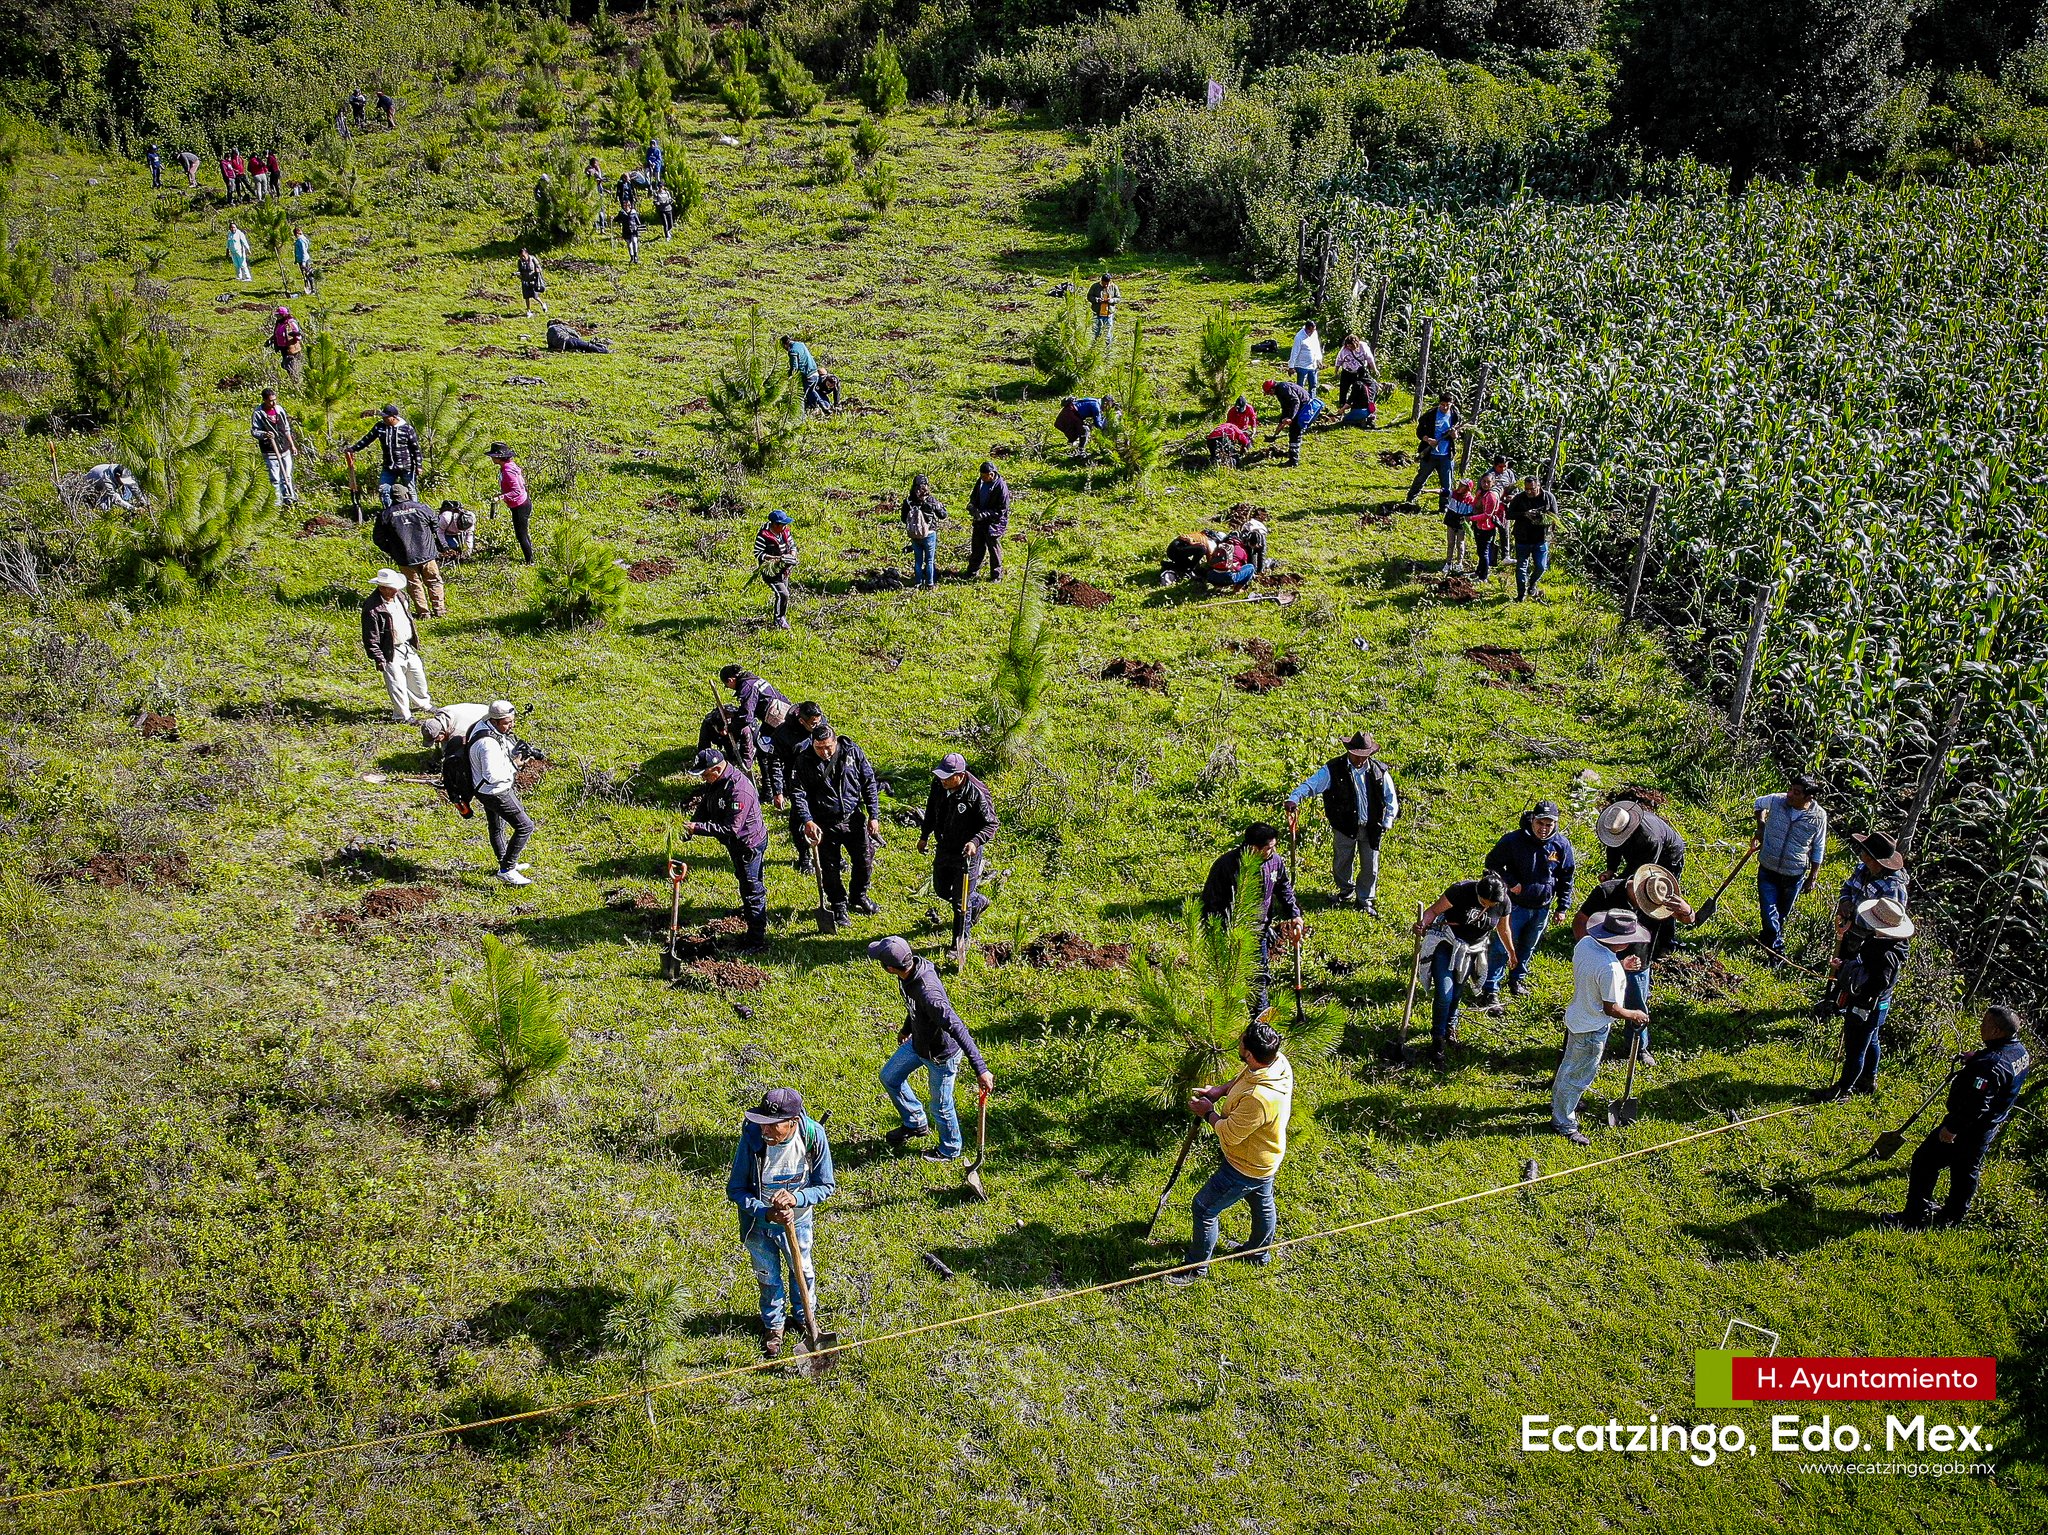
pixel 577 579
pixel 883 85
pixel 1066 352
pixel 1223 360
pixel 1134 433
pixel 514 1019
pixel 646 1326
pixel 753 402
pixel 207 499
pixel 1023 674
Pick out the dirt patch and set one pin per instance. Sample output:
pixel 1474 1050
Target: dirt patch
pixel 388 901
pixel 156 727
pixel 1073 593
pixel 132 871
pixel 1380 515
pixel 1269 667
pixel 319 523
pixel 651 570
pixel 1649 799
pixel 1509 665
pixel 1243 513
pixel 879 580
pixel 529 772
pixel 1060 951
pixel 1278 580
pixel 721 975
pixel 667 501
pixel 1702 975
pixel 1393 458
pixel 835 493
pixel 633 900
pixel 1139 674
pixel 1450 587
pixel 887 660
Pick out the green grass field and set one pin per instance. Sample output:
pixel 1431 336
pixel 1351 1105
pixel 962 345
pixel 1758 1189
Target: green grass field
pixel 247 1205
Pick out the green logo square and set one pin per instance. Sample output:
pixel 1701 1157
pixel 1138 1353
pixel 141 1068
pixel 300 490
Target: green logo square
pixel 1713 1377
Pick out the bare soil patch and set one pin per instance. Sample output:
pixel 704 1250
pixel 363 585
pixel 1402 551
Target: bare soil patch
pixel 1509 665
pixel 1073 593
pixel 1269 667
pixel 1060 951
pixel 1139 674
pixel 651 570
pixel 721 975
pixel 1450 586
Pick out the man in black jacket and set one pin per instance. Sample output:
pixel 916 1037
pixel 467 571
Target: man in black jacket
pixel 751 697
pixel 988 504
pixel 835 795
pixel 961 813
pixel 410 535
pixel 1868 961
pixel 400 444
pixel 391 641
pixel 726 807
pixel 1279 916
pixel 933 1037
pixel 1634 835
pixel 788 738
pixel 1360 803
pixel 1532 513
pixel 1985 1085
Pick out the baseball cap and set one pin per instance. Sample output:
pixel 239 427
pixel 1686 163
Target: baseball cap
pixel 707 759
pixel 501 709
pixel 779 517
pixel 950 764
pixel 895 953
pixel 777 1106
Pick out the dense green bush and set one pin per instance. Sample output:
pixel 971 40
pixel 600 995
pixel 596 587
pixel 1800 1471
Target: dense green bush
pixel 880 186
pixel 121 366
pixel 606 35
pixel 1135 434
pixel 577 580
pixel 883 85
pixel 1223 360
pixel 741 93
pixel 1066 353
pixel 540 99
pixel 1097 68
pixel 24 280
pixel 562 207
pixel 1112 207
pixel 1203 171
pixel 207 499
pixel 684 43
pixel 754 402
pixel 791 90
pixel 835 163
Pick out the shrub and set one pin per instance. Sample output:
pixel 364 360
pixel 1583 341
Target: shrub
pixel 514 1019
pixel 547 41
pixel 738 48
pixel 791 89
pixel 25 280
pixel 206 501
pixel 879 186
pixel 540 99
pixel 741 93
pixel 657 90
pixel 1135 434
pixel 626 116
pixel 882 83
pixel 1066 352
pixel 1016 692
pixel 447 432
pixel 270 228
pixel 684 43
pixel 753 401
pixel 684 182
pixel 835 163
pixel 330 374
pixel 562 208
pixel 1113 208
pixel 869 138
pixel 646 1325
pixel 1096 69
pixel 606 35
pixel 1204 170
pixel 120 367
pixel 472 56
pixel 1223 361
pixel 577 579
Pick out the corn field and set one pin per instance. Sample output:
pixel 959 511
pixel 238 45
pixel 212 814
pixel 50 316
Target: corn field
pixel 1841 397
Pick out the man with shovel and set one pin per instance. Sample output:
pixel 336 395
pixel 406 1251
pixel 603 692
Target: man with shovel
pixel 1250 1118
pixel 1279 916
pixel 1651 894
pixel 785 744
pixel 1880 874
pixel 961 813
pixel 781 1172
pixel 1360 803
pixel 1599 996
pixel 1868 963
pixel 727 807
pixel 835 796
pixel 1981 1095
pixel 932 1037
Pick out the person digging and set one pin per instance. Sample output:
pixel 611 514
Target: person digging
pixel 932 1037
pixel 781 1172
pixel 1600 997
pixel 960 812
pixel 1249 1116
pixel 725 806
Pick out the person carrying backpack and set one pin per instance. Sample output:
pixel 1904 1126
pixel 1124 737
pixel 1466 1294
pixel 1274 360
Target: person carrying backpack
pixel 922 512
pixel 289 342
pixel 494 770
pixel 629 226
pixel 275 440
pixel 781 1173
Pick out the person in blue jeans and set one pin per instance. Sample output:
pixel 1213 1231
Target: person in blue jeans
pixel 922 512
pixel 1600 999
pixel 1249 1116
pixel 1436 442
pixel 781 1172
pixel 932 1037
pixel 1867 967
pixel 1454 933
pixel 1538 864
pixel 1792 844
pixel 1651 895
pixel 1531 514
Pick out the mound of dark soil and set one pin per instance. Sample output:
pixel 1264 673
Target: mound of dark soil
pixel 1060 951
pixel 1702 975
pixel 651 570
pixel 1269 667
pixel 397 900
pixel 1243 513
pixel 156 727
pixel 133 871
pixel 880 580
pixel 1139 674
pixel 1510 665
pixel 1393 458
pixel 1073 593
pixel 1278 580
pixel 1649 799
pixel 634 900
pixel 1450 587
pixel 721 975
pixel 319 523
pixel 667 501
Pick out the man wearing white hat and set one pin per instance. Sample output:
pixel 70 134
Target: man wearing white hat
pixel 1635 835
pixel 1867 967
pixel 1599 997
pixel 391 641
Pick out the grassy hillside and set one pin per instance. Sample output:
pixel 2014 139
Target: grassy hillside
pixel 250 1206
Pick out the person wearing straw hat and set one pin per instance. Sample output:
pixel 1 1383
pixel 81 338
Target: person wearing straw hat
pixel 1599 997
pixel 1635 835
pixel 782 1164
pixel 1981 1094
pixel 391 641
pixel 1360 803
pixel 726 806
pixel 1867 967
pixel 1792 844
pixel 1880 873
pixel 1651 893
pixel 1457 932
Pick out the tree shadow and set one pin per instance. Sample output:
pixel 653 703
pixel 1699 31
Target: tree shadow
pixel 564 1322
pixel 299 711
pixel 432 1103
pixel 1384 1111
pixel 510 1441
pixel 1143 911
pixel 652 469
pixel 522 624
pixel 1035 1256
pixel 488 250
pixel 676 627
pixel 577 929
pixel 335 595
pixel 1796 1226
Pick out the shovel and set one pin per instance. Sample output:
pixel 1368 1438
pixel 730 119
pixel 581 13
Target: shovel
pixel 1414 978
pixel 671 961
pixel 960 959
pixel 1714 900
pixel 355 493
pixel 820 1344
pixel 1622 1114
pixel 980 1147
pixel 827 924
pixel 1187 1144
pixel 1887 1145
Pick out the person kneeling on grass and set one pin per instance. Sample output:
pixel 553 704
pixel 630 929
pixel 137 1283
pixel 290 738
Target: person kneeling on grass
pixel 781 1172
pixel 1599 996
pixel 933 1037
pixel 1250 1116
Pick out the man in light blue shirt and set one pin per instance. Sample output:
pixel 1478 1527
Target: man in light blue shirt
pixel 1360 804
pixel 1792 844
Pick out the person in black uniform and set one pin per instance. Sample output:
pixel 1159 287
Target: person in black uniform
pixel 961 813
pixel 726 807
pixel 1981 1094
pixel 1279 919
pixel 835 794
pixel 787 739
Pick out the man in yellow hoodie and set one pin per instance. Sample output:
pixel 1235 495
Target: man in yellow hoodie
pixel 1250 1116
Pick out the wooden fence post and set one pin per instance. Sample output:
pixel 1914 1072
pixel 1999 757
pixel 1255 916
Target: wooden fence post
pixel 1379 315
pixel 1758 616
pixel 1556 456
pixel 1635 580
pixel 1422 370
pixel 1472 421
pixel 1930 776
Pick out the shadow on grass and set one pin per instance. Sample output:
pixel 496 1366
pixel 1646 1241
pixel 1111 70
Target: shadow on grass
pixel 523 624
pixel 1796 1226
pixel 431 1103
pixel 1035 1256
pixel 302 711
pixel 510 1441
pixel 565 1322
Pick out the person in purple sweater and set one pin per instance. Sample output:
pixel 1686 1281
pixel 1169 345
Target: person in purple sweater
pixel 933 1037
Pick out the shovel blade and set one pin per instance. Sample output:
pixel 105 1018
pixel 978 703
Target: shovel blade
pixel 1622 1114
pixel 974 1183
pixel 1887 1146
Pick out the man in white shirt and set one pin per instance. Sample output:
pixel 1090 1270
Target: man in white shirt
pixel 450 720
pixel 1307 357
pixel 1599 990
pixel 494 772
pixel 391 641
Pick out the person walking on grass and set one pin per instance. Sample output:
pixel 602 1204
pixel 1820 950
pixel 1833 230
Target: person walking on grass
pixel 1361 804
pixel 1306 358
pixel 726 806
pixel 1456 933
pixel 238 253
pixel 153 157
pixel 1867 965
pixel 495 771
pixel 922 512
pixel 836 795
pixel 1278 923
pixel 629 226
pixel 988 504
pixel 1538 864
pixel 665 210
pixel 533 281
pixel 775 559
pixel 1103 297
pixel 1600 997
pixel 593 174
pixel 400 446
pixel 514 496
pixel 410 534
pixel 781 1172
pixel 932 1038
pixel 279 445
pixel 1249 1115
pixel 1981 1094
pixel 1532 514
pixel 302 254
pixel 1356 387
pixel 289 342
pixel 391 641
pixel 1436 443
pixel 960 813
pixel 1792 844
pixel 655 162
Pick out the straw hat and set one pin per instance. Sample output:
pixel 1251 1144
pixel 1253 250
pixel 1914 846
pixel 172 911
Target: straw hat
pixel 1618 822
pixel 1887 919
pixel 1653 891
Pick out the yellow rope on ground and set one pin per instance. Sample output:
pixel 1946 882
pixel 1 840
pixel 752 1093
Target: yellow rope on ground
pixel 285 1458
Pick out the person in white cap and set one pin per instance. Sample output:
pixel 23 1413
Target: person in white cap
pixel 494 771
pixel 455 720
pixel 1867 968
pixel 1599 997
pixel 391 641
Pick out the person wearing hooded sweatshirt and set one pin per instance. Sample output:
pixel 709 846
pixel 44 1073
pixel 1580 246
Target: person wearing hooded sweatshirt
pixel 1249 1115
pixel 725 806
pixel 988 504
pixel 1457 931
pixel 751 697
pixel 410 534
pixel 495 771
pixel 783 745
pixel 1867 965
pixel 1298 412
pixel 781 1172
pixel 932 1037
pixel 1360 803
pixel 922 512
pixel 1539 866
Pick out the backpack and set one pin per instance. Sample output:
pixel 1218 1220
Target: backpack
pixel 458 782
pixel 921 519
